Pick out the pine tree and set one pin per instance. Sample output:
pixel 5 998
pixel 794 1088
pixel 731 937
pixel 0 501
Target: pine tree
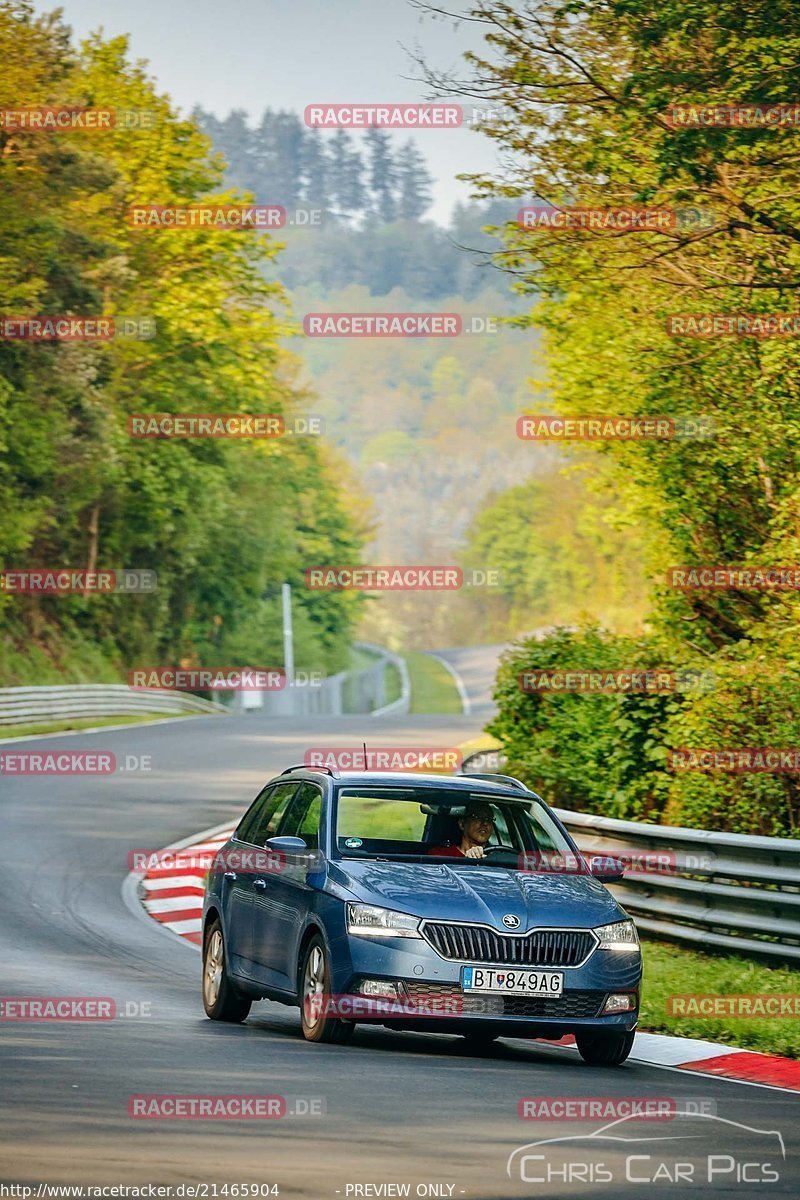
pixel 315 170
pixel 282 138
pixel 236 137
pixel 382 174
pixel 346 176
pixel 414 182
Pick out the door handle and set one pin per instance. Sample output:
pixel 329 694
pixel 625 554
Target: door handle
pixel 229 875
pixel 261 884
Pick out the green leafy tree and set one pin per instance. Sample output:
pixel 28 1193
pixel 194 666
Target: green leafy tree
pixel 221 522
pixel 585 90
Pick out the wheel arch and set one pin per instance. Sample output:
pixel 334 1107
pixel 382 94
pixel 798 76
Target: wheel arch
pixel 312 930
pixel 211 912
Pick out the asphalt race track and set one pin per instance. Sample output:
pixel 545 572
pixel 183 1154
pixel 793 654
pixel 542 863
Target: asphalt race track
pixel 408 1109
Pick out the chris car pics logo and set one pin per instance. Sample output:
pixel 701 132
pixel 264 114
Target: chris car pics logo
pixel 698 1149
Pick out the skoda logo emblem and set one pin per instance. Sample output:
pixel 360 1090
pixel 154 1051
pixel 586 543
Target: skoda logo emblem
pixel 510 921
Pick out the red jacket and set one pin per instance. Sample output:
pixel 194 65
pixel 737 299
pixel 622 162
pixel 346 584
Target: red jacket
pixel 447 851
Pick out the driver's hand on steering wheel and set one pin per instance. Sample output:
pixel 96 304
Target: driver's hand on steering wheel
pixel 474 852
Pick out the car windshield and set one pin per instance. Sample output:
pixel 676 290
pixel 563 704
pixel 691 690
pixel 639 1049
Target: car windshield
pixel 436 824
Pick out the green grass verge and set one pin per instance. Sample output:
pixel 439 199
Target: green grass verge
pixel 359 660
pixel 22 731
pixel 432 687
pixel 674 971
pixel 60 658
pixel 392 684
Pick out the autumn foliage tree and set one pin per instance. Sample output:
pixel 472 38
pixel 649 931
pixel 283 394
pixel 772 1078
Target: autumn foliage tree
pixel 221 522
pixel 585 91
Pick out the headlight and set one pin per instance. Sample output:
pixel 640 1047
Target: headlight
pixel 621 935
pixel 366 920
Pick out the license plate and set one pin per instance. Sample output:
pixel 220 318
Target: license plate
pixel 526 983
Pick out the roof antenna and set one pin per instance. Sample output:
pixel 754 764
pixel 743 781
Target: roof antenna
pixel 364 744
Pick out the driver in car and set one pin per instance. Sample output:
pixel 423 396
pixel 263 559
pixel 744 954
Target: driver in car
pixel 476 826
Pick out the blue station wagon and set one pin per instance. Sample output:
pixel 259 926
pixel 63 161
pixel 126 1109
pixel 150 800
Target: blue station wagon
pixel 423 902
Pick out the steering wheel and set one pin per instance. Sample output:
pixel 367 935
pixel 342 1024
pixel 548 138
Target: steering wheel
pixel 501 849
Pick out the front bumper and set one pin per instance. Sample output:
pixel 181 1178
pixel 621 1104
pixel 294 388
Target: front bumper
pixel 430 981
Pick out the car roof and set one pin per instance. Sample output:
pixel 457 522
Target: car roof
pixel 511 790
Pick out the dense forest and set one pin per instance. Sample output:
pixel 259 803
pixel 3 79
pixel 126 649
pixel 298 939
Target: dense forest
pixel 354 181
pixel 588 128
pixel 430 426
pixel 582 536
pixel 221 522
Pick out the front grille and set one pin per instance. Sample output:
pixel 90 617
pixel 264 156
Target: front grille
pixel 570 1005
pixel 540 948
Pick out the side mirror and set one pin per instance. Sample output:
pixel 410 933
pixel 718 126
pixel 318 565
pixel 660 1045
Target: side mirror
pixel 287 845
pixel 605 868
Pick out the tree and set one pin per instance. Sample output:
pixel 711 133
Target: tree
pixel 221 522
pixel 346 172
pixel 315 170
pixel 280 138
pixel 588 91
pixel 414 182
pixel 382 174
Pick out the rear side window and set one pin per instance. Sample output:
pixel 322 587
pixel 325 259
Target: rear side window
pixel 279 802
pixel 253 815
pixel 302 819
pixel 263 817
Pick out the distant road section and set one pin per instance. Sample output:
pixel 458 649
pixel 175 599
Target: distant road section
pixel 476 666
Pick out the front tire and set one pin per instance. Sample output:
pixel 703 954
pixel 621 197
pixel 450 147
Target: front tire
pixel 221 1000
pixel 315 987
pixel 604 1049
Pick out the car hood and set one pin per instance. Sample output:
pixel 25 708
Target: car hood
pixel 479 894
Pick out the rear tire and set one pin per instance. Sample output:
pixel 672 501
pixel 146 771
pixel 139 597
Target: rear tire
pixel 315 981
pixel 604 1049
pixel 221 1000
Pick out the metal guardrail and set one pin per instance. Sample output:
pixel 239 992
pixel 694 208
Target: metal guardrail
pixel 360 691
pixel 401 705
pixel 35 705
pixel 726 891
